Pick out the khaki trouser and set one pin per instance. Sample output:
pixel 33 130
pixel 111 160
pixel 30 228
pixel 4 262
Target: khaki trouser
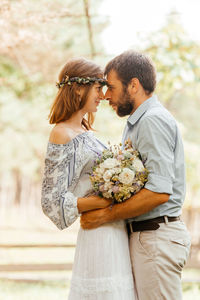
pixel 158 258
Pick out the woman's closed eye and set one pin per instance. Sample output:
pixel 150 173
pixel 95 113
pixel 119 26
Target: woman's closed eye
pixel 99 88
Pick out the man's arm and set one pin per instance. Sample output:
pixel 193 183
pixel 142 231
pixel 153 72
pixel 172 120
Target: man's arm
pixel 155 142
pixel 139 204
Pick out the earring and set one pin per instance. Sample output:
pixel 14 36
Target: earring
pixel 79 98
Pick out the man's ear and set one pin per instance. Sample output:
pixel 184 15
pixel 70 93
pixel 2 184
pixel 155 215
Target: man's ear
pixel 133 86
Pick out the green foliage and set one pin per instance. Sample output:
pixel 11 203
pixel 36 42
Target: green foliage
pixel 23 104
pixel 13 78
pixel 37 38
pixel 177 60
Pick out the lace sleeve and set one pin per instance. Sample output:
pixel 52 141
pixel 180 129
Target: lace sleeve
pixel 59 204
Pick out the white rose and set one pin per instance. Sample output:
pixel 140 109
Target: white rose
pixel 97 170
pixel 108 174
pixel 100 169
pixel 138 165
pixel 117 170
pixel 107 195
pixel 127 176
pixel 108 185
pixel 110 163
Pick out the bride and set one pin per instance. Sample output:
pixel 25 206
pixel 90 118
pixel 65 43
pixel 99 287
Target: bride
pixel 102 266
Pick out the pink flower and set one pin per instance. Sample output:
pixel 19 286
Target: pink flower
pixel 101 188
pixel 115 189
pixel 120 157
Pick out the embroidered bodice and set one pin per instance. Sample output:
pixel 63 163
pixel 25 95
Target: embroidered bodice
pixel 66 177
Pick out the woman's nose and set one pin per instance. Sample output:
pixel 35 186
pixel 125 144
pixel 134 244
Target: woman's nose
pixel 101 96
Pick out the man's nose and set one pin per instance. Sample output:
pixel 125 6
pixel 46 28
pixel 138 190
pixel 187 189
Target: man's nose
pixel 107 95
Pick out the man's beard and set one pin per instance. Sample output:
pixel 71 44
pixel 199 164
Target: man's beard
pixel 125 105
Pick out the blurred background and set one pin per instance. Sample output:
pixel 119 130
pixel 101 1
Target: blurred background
pixel 36 38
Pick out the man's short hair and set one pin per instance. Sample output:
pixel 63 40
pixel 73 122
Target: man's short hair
pixel 131 64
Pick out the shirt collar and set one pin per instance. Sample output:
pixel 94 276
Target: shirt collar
pixel 132 119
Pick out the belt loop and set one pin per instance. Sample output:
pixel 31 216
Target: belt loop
pixel 131 228
pixel 166 220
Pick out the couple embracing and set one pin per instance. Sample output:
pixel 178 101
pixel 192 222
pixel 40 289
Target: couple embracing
pixel 134 250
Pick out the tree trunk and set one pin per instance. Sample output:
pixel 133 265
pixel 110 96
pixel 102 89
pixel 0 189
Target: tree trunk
pixel 89 27
pixel 18 186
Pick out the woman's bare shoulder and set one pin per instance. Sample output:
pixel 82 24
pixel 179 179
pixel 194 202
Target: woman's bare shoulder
pixel 60 134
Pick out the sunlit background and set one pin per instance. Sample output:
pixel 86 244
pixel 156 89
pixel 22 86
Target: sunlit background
pixel 36 38
pixel 131 19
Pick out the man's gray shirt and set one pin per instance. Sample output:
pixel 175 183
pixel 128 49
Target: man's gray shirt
pixel 154 133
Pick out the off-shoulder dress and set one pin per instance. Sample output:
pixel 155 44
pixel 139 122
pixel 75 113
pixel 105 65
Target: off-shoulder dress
pixel 102 266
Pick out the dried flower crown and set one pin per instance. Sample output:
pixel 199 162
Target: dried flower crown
pixel 80 80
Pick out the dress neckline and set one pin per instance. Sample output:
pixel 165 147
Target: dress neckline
pixel 80 135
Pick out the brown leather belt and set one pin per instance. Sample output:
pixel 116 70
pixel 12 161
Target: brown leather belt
pixel 152 224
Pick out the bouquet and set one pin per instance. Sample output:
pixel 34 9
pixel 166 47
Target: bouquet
pixel 118 174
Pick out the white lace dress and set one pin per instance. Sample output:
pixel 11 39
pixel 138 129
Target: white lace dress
pixel 102 266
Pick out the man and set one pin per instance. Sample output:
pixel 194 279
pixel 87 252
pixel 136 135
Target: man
pixel 159 241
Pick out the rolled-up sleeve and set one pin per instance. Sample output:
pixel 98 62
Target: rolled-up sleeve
pixel 156 143
pixel 58 203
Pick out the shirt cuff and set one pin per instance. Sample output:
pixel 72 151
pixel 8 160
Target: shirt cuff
pixel 159 184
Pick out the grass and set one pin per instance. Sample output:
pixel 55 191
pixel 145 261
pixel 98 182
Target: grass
pixel 191 291
pixel 58 290
pixel 57 286
pixel 48 290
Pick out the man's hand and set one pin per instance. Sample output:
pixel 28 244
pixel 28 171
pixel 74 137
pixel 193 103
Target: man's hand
pixel 94 218
pixel 142 202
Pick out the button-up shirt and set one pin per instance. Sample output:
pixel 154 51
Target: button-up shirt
pixel 154 133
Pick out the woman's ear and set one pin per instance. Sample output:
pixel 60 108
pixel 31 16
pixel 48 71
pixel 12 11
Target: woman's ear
pixel 80 91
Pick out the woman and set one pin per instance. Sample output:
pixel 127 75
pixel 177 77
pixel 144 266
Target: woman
pixel 102 267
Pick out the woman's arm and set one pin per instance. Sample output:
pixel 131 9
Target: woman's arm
pixel 58 203
pixel 91 203
pixel 60 136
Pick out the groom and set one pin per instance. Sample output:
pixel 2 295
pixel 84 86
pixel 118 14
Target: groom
pixel 159 241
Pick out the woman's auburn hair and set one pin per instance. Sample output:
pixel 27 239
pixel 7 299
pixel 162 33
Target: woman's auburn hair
pixel 67 100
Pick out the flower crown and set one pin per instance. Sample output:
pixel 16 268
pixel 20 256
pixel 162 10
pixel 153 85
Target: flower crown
pixel 81 80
